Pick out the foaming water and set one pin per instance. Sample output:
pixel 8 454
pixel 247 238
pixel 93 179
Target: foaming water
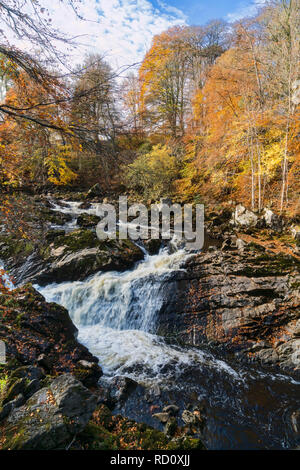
pixel 116 316
pixel 121 301
pixel 145 357
pixel 73 208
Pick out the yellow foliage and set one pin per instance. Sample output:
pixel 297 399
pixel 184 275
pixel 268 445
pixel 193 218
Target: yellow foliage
pixel 56 162
pixel 153 173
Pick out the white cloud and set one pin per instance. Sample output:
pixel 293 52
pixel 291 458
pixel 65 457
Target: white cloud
pixel 244 10
pixel 121 30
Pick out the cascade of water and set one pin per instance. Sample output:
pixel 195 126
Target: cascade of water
pixel 116 313
pixel 73 208
pixel 116 316
pixel 128 300
pixel 5 278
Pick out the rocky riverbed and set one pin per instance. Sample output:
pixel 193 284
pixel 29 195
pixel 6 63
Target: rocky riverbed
pixel 238 299
pixel 49 392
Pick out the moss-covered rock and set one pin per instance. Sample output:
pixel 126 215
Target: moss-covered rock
pixel 94 191
pixel 52 234
pixel 30 326
pixel 51 417
pixel 54 217
pixel 10 246
pixel 74 241
pixel 106 431
pixel 79 254
pixel 14 387
pixel 88 220
pixel 269 264
pixel 67 257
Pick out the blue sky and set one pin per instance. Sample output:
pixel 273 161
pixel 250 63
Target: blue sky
pixel 202 11
pixel 122 30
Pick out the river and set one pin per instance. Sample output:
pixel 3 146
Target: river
pixel 117 316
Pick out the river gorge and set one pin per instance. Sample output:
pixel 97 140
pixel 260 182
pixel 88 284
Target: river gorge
pixel 133 321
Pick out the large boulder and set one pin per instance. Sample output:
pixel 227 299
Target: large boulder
pixel 41 333
pixel 80 254
pixel 51 217
pixel 274 221
pixel 110 432
pixel 87 220
pixel 51 417
pixel 244 217
pixel 295 231
pixel 74 257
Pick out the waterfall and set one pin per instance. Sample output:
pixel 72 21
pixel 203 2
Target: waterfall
pixel 121 301
pixel 116 316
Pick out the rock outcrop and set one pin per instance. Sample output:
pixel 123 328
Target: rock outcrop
pixel 62 414
pixel 87 220
pixel 95 191
pixel 244 217
pixel 51 417
pixel 69 257
pixel 41 333
pixel 246 302
pixel 295 231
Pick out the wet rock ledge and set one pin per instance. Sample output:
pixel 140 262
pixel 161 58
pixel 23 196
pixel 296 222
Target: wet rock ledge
pixel 56 256
pixel 42 334
pixel 245 303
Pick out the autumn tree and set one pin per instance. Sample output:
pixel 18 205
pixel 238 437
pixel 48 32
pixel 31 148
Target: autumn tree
pixel 176 63
pixel 31 22
pixel 206 44
pixel 42 99
pixel 37 153
pixel 246 116
pixel 94 110
pixel 163 77
pixel 153 173
pixel 281 21
pixel 130 98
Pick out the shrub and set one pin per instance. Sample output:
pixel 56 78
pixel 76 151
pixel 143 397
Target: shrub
pixel 153 174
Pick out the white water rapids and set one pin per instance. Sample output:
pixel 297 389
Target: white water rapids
pixel 116 317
